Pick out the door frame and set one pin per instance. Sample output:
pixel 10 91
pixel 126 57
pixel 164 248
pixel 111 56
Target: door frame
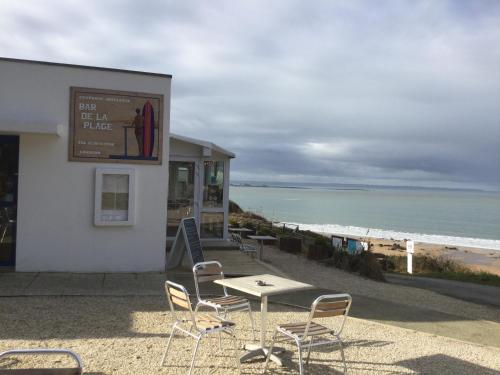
pixel 196 190
pixel 12 139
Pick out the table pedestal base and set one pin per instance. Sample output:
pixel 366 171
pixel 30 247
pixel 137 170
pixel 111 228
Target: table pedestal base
pixel 255 350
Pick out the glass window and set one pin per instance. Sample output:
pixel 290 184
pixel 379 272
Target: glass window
pixel 212 225
pixel 180 194
pixel 213 184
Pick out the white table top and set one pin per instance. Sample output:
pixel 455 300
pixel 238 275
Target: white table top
pixel 262 238
pixel 240 230
pixel 276 285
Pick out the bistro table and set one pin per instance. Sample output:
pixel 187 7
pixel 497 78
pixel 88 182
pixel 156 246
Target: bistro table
pixel 261 240
pixel 263 286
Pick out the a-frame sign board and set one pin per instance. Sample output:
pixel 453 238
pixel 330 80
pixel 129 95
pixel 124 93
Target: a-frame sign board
pixel 186 240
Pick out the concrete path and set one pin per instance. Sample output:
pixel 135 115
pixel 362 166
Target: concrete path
pixel 482 294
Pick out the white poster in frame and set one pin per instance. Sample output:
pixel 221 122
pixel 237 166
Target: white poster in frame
pixel 114 197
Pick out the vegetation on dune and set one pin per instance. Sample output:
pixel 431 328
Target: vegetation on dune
pixel 438 267
pixel 315 246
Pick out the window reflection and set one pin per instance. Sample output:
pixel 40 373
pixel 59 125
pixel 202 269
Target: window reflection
pixel 212 225
pixel 180 194
pixel 213 184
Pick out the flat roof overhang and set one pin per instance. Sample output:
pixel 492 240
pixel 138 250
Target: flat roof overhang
pixel 15 127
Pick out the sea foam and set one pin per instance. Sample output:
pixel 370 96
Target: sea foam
pixel 389 234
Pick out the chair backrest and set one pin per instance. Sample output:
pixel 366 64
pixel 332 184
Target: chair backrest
pixel 330 305
pixel 207 271
pixel 43 371
pixel 236 238
pixel 178 297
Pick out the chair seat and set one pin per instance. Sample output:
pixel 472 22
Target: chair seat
pixel 227 300
pixel 298 329
pixel 209 321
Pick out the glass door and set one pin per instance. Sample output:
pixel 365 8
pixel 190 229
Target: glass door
pixel 181 193
pixel 212 211
pixel 9 164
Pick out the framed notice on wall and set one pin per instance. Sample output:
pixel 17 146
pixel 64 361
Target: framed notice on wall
pixel 115 126
pixel 114 196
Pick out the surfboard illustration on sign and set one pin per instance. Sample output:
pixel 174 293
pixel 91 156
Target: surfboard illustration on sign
pixel 148 130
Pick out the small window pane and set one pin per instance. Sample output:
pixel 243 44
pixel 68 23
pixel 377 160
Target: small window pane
pixel 212 225
pixel 114 202
pixel 180 194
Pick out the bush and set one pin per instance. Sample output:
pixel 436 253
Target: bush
pixel 318 252
pixel 365 264
pixel 369 266
pixel 291 244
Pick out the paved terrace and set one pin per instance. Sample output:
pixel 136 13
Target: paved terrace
pixel 420 318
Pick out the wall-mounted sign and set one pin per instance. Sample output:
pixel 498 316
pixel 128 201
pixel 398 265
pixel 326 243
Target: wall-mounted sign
pixel 115 126
pixel 410 246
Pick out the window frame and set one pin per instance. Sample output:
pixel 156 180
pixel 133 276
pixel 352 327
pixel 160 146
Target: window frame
pixel 99 178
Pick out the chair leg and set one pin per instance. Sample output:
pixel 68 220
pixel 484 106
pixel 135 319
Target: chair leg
pixel 270 351
pixel 168 345
pixel 220 334
pixel 301 366
pixel 251 321
pixel 237 357
pixel 194 355
pixel 309 350
pixel 342 355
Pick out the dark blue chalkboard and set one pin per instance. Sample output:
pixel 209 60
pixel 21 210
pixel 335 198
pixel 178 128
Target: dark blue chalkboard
pixel 187 239
pixel 193 240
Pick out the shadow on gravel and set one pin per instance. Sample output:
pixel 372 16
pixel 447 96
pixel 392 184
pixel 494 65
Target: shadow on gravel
pixel 444 364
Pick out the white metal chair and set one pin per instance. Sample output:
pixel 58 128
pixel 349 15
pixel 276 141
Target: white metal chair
pixel 210 271
pixel 43 371
pixel 245 248
pixel 201 324
pixel 305 333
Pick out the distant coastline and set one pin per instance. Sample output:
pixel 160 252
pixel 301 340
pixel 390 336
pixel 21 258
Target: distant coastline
pixel 348 187
pixel 267 186
pixel 451 217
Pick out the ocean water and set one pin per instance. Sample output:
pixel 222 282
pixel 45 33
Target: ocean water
pixel 448 217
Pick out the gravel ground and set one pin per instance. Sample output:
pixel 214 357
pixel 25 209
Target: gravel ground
pixel 321 276
pixel 127 335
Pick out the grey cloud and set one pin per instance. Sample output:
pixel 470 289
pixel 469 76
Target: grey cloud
pixel 408 92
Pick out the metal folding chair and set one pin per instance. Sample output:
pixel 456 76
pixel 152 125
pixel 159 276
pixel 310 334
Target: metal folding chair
pixel 42 371
pixel 245 248
pixel 196 325
pixel 305 334
pixel 210 271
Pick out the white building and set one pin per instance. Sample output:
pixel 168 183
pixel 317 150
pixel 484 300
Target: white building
pixel 84 170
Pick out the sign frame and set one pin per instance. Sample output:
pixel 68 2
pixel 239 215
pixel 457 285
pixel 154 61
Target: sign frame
pixel 182 245
pixel 75 90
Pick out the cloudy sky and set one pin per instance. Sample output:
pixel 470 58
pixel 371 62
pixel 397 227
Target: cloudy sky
pixel 382 92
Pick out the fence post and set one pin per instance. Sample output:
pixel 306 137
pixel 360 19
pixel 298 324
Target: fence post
pixel 410 248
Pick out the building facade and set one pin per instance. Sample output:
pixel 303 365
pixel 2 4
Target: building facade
pixel 84 168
